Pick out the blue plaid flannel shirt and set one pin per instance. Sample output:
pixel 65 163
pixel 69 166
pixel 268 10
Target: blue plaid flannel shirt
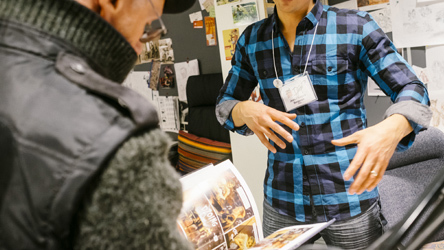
pixel 305 180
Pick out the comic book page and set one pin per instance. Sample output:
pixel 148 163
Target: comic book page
pixel 290 237
pixel 219 211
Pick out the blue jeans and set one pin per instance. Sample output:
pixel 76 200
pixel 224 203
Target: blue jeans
pixel 355 233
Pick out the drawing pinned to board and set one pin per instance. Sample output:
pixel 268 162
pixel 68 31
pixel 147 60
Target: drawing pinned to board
pixel 417 26
pixel 222 2
pixel 183 71
pixel 230 40
pixel 435 66
pixel 244 14
pixel 422 74
pixel 383 19
pixel 372 4
pixel 437 107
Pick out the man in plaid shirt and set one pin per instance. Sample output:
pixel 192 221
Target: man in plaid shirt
pixel 316 150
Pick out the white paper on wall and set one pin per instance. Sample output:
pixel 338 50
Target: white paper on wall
pixel 383 19
pixel 435 70
pixel 417 26
pixel 201 3
pixel 373 89
pixel 420 3
pixel 435 67
pixel 183 71
pixel 349 4
pixel 196 16
pixel 168 113
pixel 138 81
pixel 156 100
pixel 422 74
pixel 437 106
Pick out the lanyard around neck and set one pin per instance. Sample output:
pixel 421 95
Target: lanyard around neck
pixel 309 52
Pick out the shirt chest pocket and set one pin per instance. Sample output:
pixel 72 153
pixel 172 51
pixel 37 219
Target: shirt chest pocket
pixel 330 65
pixel 265 72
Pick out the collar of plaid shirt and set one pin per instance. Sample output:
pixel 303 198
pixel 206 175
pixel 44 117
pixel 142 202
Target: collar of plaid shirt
pixel 305 179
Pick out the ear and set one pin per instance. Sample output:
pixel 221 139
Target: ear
pixel 108 9
pixel 90 4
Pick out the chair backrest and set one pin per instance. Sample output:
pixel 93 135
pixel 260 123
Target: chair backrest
pixel 202 92
pixel 408 175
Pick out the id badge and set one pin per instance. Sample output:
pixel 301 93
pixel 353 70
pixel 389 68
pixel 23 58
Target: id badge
pixel 297 92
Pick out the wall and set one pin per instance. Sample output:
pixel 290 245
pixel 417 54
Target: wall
pixel 191 43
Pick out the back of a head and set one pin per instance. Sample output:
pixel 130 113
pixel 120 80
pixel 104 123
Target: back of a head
pixel 139 186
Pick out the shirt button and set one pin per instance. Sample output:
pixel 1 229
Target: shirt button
pixel 304 177
pixel 330 69
pixel 306 152
pixel 295 71
pixel 265 73
pixel 77 67
pixel 302 125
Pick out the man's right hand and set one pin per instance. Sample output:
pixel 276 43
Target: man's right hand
pixel 262 120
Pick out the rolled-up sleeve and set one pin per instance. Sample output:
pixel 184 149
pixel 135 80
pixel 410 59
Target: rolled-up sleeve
pixel 396 78
pixel 238 86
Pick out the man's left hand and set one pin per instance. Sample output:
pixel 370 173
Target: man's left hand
pixel 376 146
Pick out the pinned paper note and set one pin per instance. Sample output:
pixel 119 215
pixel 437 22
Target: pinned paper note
pixel 196 16
pixel 198 24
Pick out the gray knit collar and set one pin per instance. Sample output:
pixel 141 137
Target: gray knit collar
pixel 87 32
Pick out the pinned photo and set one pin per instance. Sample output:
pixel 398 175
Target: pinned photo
pixel 150 51
pixel 166 50
pixel 244 14
pixel 222 2
pixel 230 40
pixel 167 76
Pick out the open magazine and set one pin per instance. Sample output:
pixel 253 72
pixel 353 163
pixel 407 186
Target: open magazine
pixel 219 212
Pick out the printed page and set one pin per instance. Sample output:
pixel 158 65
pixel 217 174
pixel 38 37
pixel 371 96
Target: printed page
pixel 168 113
pixel 219 211
pixel 291 237
pixel 139 81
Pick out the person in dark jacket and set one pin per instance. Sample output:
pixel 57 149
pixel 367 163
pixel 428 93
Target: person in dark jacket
pixel 83 163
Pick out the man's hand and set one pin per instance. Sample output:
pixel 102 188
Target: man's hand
pixel 262 119
pixel 376 146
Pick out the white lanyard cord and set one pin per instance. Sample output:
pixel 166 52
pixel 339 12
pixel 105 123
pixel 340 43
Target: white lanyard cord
pixel 272 51
pixel 274 58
